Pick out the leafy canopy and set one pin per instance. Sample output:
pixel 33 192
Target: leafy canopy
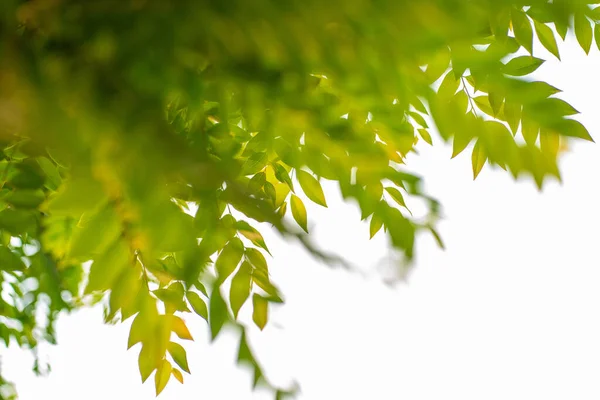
pixel 146 144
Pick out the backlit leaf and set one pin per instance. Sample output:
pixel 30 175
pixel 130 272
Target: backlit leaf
pixel 478 159
pixel 260 313
pixel 240 288
pixel 311 187
pixel 229 258
pixel 198 305
pixel 299 212
pixel 583 31
pixel 522 29
pixel 163 374
pixel 546 38
pixel 522 65
pixel 179 356
pixel 217 313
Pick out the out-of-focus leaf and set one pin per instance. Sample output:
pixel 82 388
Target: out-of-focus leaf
pixel 217 313
pixel 229 258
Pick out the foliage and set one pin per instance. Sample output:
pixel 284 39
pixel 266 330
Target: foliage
pixel 145 143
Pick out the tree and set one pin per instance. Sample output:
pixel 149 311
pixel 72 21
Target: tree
pixel 144 143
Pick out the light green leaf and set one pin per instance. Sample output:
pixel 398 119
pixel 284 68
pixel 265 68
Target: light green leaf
pixel 260 313
pixel 108 266
pixel 137 330
pixel 522 29
pixel 240 288
pixel 396 195
pixel 522 65
pixel 198 305
pixel 546 37
pixel 282 176
pixel 299 212
pixel 94 233
pixel 179 356
pixel 375 225
pixel 251 234
pixel 478 159
pixel 583 31
pixel 218 313
pixel 426 136
pixel 311 187
pixel 256 258
pixel 229 258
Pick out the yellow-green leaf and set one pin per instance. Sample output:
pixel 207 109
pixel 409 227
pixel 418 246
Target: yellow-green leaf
pixel 198 305
pixel 177 374
pixel 583 31
pixel 546 37
pixel 375 225
pixel 108 267
pixel 240 288
pixel 522 29
pixel 179 356
pixel 299 212
pixel 260 314
pixel 311 187
pixel 396 195
pixel 478 159
pixel 522 65
pixel 179 328
pixel 256 258
pixel 426 136
pixel 163 373
pixel 229 258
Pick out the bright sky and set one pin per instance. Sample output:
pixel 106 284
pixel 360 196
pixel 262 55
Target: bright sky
pixel 509 310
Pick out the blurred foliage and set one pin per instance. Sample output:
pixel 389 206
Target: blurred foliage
pixel 136 133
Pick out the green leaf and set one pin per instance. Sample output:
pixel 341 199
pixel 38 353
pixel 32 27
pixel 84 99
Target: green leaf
pixel 251 234
pixel 522 29
pixel 256 258
pixel 299 212
pixel 419 119
pixel 147 361
pixel 229 258
pixel 240 288
pixel 583 31
pixel 163 374
pixel 260 313
pixel 546 37
pixel 17 222
pixel 597 34
pixel 512 114
pixel 218 313
pixel 375 225
pixel 478 159
pixel 198 305
pixel 106 268
pixel 179 356
pixel 9 261
pixel 448 87
pixel 94 233
pixel 426 136
pixel 311 187
pixel 25 198
pixel 396 195
pixel 137 331
pixel 523 65
pixel 572 128
pixel 282 176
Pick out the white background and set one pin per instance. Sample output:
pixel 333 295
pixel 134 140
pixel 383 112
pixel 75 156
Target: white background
pixel 510 310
